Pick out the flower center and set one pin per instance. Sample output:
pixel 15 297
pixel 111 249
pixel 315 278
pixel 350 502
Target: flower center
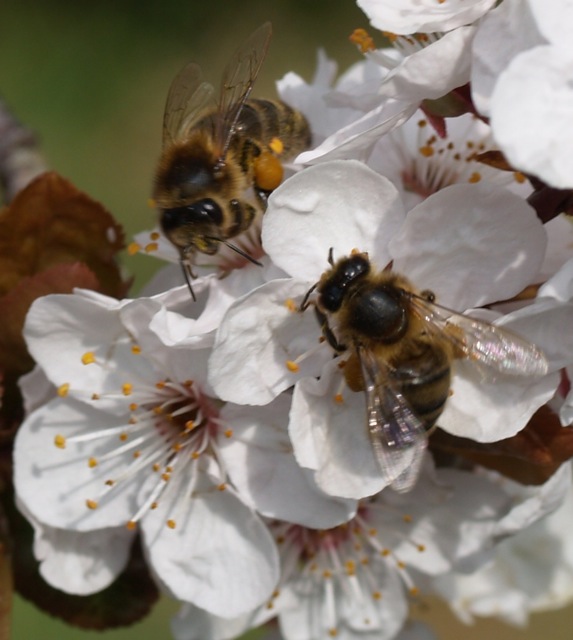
pixel 354 562
pixel 167 427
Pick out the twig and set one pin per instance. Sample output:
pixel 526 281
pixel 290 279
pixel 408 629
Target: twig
pixel 20 159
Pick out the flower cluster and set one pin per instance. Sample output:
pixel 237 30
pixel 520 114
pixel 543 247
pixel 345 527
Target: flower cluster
pixel 243 437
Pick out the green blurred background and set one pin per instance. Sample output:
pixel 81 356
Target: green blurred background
pixel 91 79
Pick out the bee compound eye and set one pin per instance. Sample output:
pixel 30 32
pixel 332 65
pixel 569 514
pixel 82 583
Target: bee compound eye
pixel 207 209
pixel 202 211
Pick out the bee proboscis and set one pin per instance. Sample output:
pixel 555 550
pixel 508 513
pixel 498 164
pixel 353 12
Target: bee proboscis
pixel 215 148
pixel 402 345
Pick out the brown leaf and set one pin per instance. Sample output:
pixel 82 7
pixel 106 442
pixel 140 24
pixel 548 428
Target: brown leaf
pixel 49 223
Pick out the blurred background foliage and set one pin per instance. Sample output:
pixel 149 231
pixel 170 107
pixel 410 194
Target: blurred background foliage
pixel 91 79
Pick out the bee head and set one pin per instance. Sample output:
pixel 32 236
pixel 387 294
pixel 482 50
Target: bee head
pixel 339 279
pixel 190 225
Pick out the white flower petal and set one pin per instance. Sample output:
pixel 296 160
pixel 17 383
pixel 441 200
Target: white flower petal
pixel 332 438
pixel 54 483
pixel 80 563
pixel 260 463
pixel 531 113
pixel 433 71
pixel 553 20
pixel 355 140
pixel 457 244
pixel 503 33
pixel 219 556
pixel 487 411
pixel 341 205
pixel 268 333
pixel 422 16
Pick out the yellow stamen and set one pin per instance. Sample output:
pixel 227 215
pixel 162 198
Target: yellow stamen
pixel 133 248
pixel 64 389
pixel 150 247
pixel 292 366
pixel 127 388
pixel 88 357
pixel 91 504
pixel 60 441
pixel 92 462
pixel 135 349
pixel 171 524
pixel 362 39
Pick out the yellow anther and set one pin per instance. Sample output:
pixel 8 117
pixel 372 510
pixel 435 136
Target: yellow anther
pixel 338 398
pixel 292 366
pixel 171 524
pixel 362 39
pixel 222 486
pixel 195 455
pixel 291 305
pixel 519 177
pixel 95 396
pixel 407 518
pixel 350 567
pixel 135 349
pixel 64 389
pixel 131 524
pixel 133 248
pixel 92 462
pixel 427 151
pixel 421 547
pixel 228 433
pixel 475 177
pixel 160 384
pixel 88 357
pixel 133 406
pixel 60 441
pixel 91 504
pixel 377 595
pixel 137 454
pixel 414 591
pixel 150 247
pixel 154 236
pixel 123 436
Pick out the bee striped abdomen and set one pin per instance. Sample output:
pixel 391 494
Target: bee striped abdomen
pixel 263 120
pixel 425 383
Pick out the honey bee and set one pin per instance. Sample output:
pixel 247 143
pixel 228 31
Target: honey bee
pixel 215 149
pixel 402 345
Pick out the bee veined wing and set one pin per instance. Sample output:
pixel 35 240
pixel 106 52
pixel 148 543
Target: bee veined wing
pixel 189 98
pixel 397 435
pixel 238 80
pixel 495 348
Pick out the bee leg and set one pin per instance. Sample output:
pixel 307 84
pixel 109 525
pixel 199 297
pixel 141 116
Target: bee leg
pixel 327 331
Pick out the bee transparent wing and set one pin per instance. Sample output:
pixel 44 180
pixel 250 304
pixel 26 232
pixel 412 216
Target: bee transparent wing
pixel 238 79
pixel 491 347
pixel 397 435
pixel 188 99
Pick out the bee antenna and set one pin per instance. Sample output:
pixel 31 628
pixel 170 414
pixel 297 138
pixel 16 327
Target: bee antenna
pixel 238 250
pixel 188 274
pixel 330 256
